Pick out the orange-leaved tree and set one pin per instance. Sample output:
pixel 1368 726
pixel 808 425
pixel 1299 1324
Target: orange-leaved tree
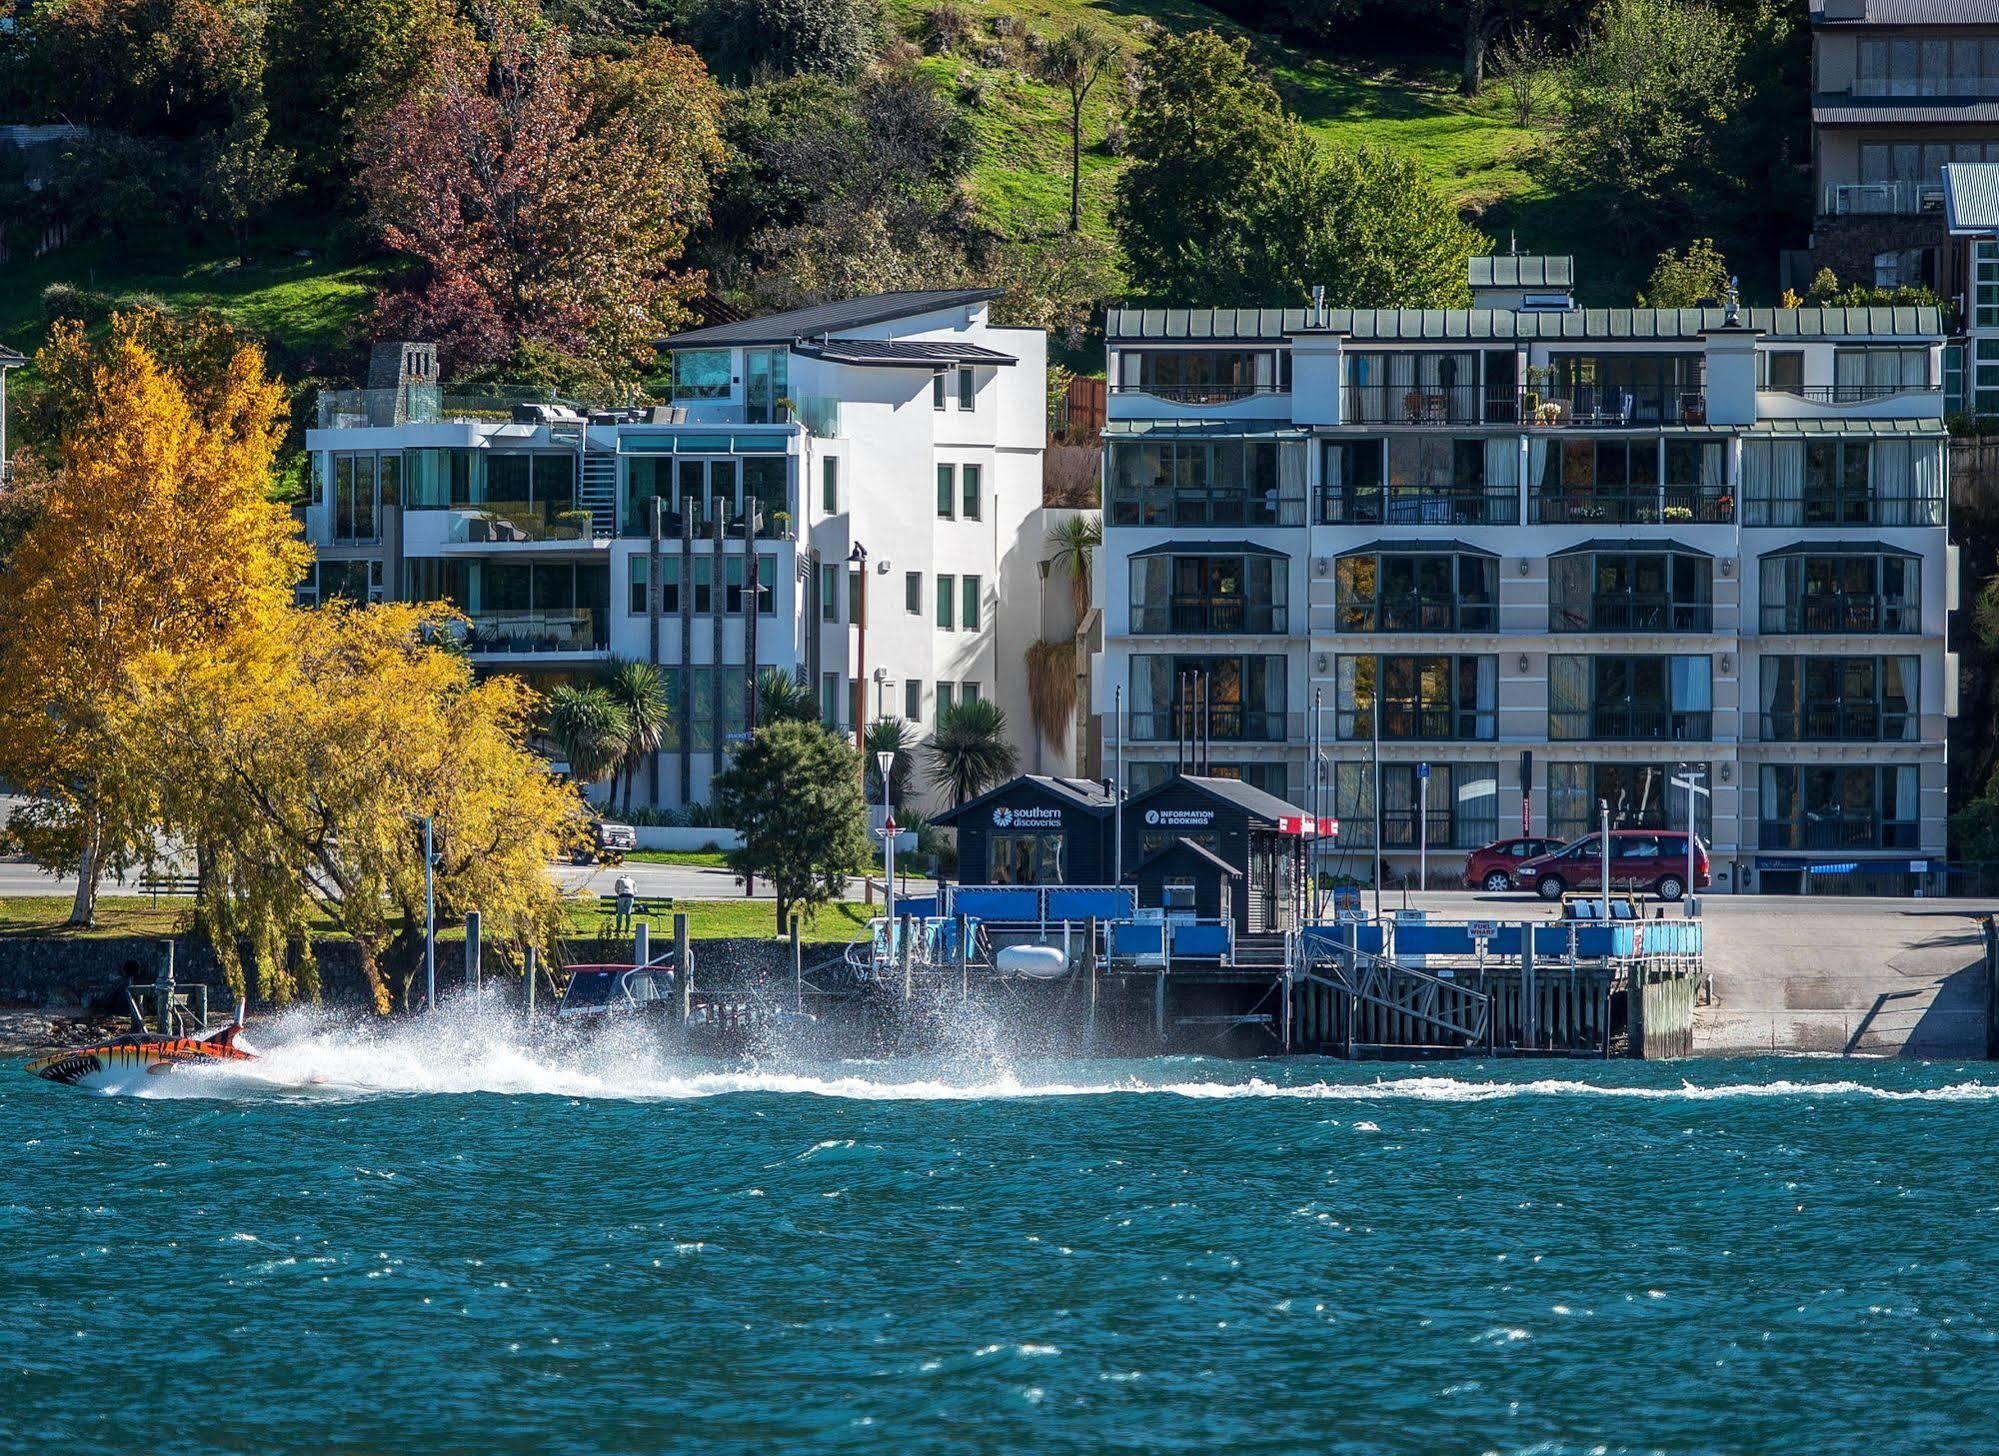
pixel 155 539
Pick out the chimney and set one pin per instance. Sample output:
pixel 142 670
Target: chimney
pixel 1318 305
pixel 1844 10
pixel 406 373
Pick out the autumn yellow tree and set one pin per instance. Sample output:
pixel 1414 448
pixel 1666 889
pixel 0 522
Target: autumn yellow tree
pixel 153 541
pixel 305 759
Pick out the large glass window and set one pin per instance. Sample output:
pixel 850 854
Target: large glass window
pixel 1416 591
pixel 1829 699
pixel 1210 482
pixel 1839 806
pixel 1840 592
pixel 1442 697
pixel 1210 594
pixel 525 606
pixel 1630 591
pixel 1617 480
pixel 1623 389
pixel 1639 795
pixel 701 373
pixel 1460 804
pixel 1026 859
pixel 1609 695
pixel 363 483
pixel 1197 376
pixel 1244 697
pixel 1841 482
pixel 1862 372
pixel 1960 66
pixel 1430 387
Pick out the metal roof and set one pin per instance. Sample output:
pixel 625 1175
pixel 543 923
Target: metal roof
pixel 1921 429
pixel 1631 543
pixel 1086 794
pixel 1390 547
pixel 901 353
pixel 1181 844
pixel 1203 547
pixel 1523 270
pixel 821 319
pixel 1839 548
pixel 9 359
pixel 1206 429
pixel 1437 325
pixel 1234 791
pixel 1842 112
pixel 1971 196
pixel 1913 12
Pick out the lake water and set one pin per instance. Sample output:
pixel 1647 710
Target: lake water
pixel 443 1242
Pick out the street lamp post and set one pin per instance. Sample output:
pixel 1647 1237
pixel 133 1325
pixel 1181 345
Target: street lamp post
pixel 1691 783
pixel 859 559
pixel 885 761
pixel 429 919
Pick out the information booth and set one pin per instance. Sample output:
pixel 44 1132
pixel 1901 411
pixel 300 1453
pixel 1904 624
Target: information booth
pixel 1035 830
pixel 1257 838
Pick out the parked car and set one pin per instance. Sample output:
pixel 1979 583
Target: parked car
pixel 609 843
pixel 1652 860
pixel 1492 868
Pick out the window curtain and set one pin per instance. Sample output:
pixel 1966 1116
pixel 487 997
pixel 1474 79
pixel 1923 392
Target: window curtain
pixel 1893 481
pixel 1777 683
pixel 1693 684
pixel 1353 804
pixel 1901 789
pixel 1273 690
pixel 1569 807
pixel 1477 817
pixel 1537 460
pixel 1569 593
pixel 1714 465
pixel 1927 482
pixel 1487 687
pixel 1502 463
pixel 1568 695
pixel 1291 483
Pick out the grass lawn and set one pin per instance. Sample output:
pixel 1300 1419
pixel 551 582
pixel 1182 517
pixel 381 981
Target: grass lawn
pixel 706 859
pixel 837 924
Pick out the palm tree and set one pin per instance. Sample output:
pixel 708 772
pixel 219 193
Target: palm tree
pixel 890 735
pixel 1075 60
pixel 589 727
pixel 782 698
pixel 639 690
pixel 969 751
pixel 1076 541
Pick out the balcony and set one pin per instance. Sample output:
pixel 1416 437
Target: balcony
pixel 1611 407
pixel 1418 723
pixel 1848 394
pixel 1198 394
pixel 1634 505
pixel 1630 612
pixel 1840 722
pixel 1835 829
pixel 1226 723
pixel 433 404
pixel 1880 199
pixel 1430 405
pixel 1197 616
pixel 497 522
pixel 1841 612
pixel 515 633
pixel 1415 612
pixel 1635 723
pixel 1421 505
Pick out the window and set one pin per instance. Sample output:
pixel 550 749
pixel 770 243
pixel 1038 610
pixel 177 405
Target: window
pixel 1617 480
pixel 315 485
pixel 937 390
pixel 857 585
pixel 1833 699
pixel 1424 387
pixel 943 698
pixel 1985 284
pixel 701 374
pixel 1839 482
pixel 1640 796
pixel 1840 592
pixel 1210 594
pixel 735 568
pixel 912 699
pixel 1225 482
pixel 968 615
pixel 912 593
pixel 1627 389
pixel 1902 66
pixel 669 585
pixel 947 492
pixel 1614 696
pixel 829 485
pixel 1439 697
pixel 947 587
pixel 704 584
pixel 352 581
pixel 1351 489
pixel 973 506
pixel 732 585
pixel 1636 591
pixel 1198 376
pixel 968 692
pixel 1026 858
pixel 829 699
pixel 1244 697
pixel 1837 807
pixel 637 605
pixel 968 386
pixel 1901 268
pixel 1412 591
pixel 362 484
pixel 1784 370
pixel 1861 373
pixel 1458 809
pixel 766 585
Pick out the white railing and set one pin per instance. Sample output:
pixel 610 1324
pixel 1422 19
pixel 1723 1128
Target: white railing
pixel 1880 199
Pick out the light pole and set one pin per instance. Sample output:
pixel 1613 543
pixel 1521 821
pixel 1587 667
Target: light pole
pixel 1423 827
pixel 1691 783
pixel 429 920
pixel 1117 797
pixel 858 558
pixel 885 761
pixel 1603 844
pixel 1374 722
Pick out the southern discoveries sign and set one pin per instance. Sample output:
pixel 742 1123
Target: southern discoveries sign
pixel 1038 817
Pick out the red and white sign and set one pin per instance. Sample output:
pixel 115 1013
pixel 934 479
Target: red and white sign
pixel 1297 824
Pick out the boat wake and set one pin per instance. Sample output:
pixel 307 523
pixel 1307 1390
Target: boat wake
pixel 467 1049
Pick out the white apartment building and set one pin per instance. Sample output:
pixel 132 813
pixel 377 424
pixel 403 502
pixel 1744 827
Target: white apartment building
pixel 879 455
pixel 1560 556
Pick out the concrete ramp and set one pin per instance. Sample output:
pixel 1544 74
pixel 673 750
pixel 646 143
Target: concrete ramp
pixel 1854 976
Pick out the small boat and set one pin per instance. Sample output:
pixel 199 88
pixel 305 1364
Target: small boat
pixel 107 1064
pixel 1035 962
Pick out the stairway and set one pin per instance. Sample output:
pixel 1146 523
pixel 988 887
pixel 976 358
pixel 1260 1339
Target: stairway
pixel 599 490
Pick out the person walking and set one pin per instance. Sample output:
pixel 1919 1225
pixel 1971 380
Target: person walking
pixel 625 890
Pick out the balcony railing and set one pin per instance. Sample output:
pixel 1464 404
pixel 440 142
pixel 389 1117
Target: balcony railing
pixel 1630 612
pixel 1435 404
pixel 1643 724
pixel 1841 508
pixel 1844 613
pixel 1225 723
pixel 1838 829
pixel 1838 722
pixel 1199 393
pixel 1413 723
pixel 1634 505
pixel 1849 393
pixel 1880 199
pixel 1413 612
pixel 1421 505
pixel 1199 615
pixel 576 630
pixel 504 521
pixel 1559 406
pixel 430 404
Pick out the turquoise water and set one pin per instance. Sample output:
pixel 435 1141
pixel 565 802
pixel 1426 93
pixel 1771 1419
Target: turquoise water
pixel 444 1243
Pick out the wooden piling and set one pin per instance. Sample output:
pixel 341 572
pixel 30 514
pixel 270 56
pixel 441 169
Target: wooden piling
pixel 1090 968
pixel 683 969
pixel 797 968
pixel 961 928
pixel 528 975
pixel 473 949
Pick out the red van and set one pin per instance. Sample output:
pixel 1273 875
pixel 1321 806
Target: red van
pixel 1492 868
pixel 1650 860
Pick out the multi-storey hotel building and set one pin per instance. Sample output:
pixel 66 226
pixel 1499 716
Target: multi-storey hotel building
pixel 1545 558
pixel 874 459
